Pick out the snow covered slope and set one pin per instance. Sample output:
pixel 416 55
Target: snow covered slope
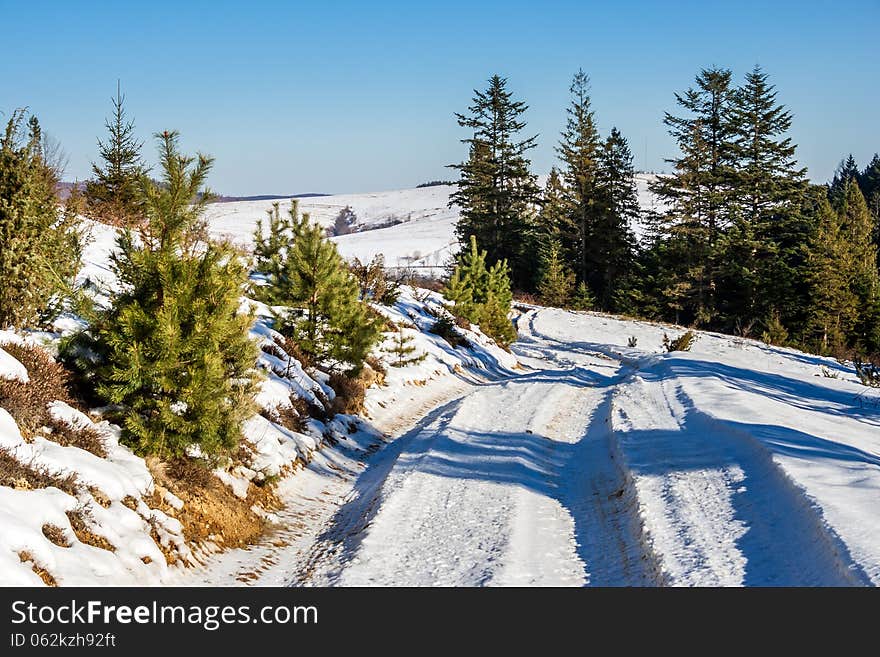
pixel 733 464
pixel 425 236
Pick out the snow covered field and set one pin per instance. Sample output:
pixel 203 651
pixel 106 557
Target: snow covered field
pixel 425 237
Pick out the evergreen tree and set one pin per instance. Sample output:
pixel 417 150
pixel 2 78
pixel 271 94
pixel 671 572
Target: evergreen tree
pixel 40 246
pixel 557 281
pixel 583 299
pixel 173 352
pixel 857 226
pixel 699 195
pixel 869 183
pixel 325 316
pixel 402 350
pixel 834 304
pixel 612 241
pixel 579 149
pixel 497 194
pixel 847 170
pixel 555 217
pixel 112 196
pixel 762 250
pixel 270 251
pixel 482 295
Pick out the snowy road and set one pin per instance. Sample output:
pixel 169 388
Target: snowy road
pixel 596 467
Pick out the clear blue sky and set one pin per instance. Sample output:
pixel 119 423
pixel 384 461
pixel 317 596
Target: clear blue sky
pixel 357 96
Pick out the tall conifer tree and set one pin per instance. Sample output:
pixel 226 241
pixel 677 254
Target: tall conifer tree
pixel 497 193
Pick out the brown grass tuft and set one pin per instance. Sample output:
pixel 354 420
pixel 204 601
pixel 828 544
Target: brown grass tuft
pixel 85 438
pixel 349 394
pixel 27 402
pixel 23 476
pixel 41 572
pixel 55 534
pixel 86 535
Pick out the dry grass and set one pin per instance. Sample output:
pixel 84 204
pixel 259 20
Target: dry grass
pixel 85 438
pixel 56 534
pixel 41 572
pixel 350 393
pixel 211 511
pixel 24 476
pixel 28 402
pixel 86 535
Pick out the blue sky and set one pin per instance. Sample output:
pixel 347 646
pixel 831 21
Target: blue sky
pixel 355 96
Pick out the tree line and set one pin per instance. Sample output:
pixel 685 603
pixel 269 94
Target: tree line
pixel 739 240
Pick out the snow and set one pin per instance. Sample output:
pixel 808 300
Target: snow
pixel 733 464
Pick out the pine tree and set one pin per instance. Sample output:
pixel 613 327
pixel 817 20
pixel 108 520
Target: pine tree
pixel 612 241
pixel 112 196
pixel 869 183
pixel 325 316
pixel 579 150
pixel 497 194
pixel 762 249
pixel 482 295
pixel 555 216
pixel 856 227
pixel 834 304
pixel 557 281
pixel 40 246
pixel 402 349
pixel 698 195
pixel 173 352
pixel 583 298
pixel 847 170
pixel 270 251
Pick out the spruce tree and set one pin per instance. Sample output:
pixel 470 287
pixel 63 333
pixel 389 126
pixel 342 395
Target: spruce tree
pixel 834 306
pixel 579 149
pixel 847 170
pixel 555 216
pixel 325 316
pixel 173 352
pixel 698 195
pixel 612 241
pixel 497 194
pixel 557 281
pixel 763 248
pixel 857 226
pixel 112 196
pixel 583 298
pixel 40 246
pixel 869 183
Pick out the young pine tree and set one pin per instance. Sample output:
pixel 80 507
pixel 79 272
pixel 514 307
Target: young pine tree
pixel 270 251
pixel 326 317
pixel 497 193
pixel 482 295
pixel 579 149
pixel 402 350
pixel 557 281
pixel 40 246
pixel 112 196
pixel 833 302
pixel 173 351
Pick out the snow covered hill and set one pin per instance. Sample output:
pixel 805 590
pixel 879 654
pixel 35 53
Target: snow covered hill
pixel 423 231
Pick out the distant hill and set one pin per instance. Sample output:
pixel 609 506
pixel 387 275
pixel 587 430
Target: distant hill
pixel 264 197
pixel 63 190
